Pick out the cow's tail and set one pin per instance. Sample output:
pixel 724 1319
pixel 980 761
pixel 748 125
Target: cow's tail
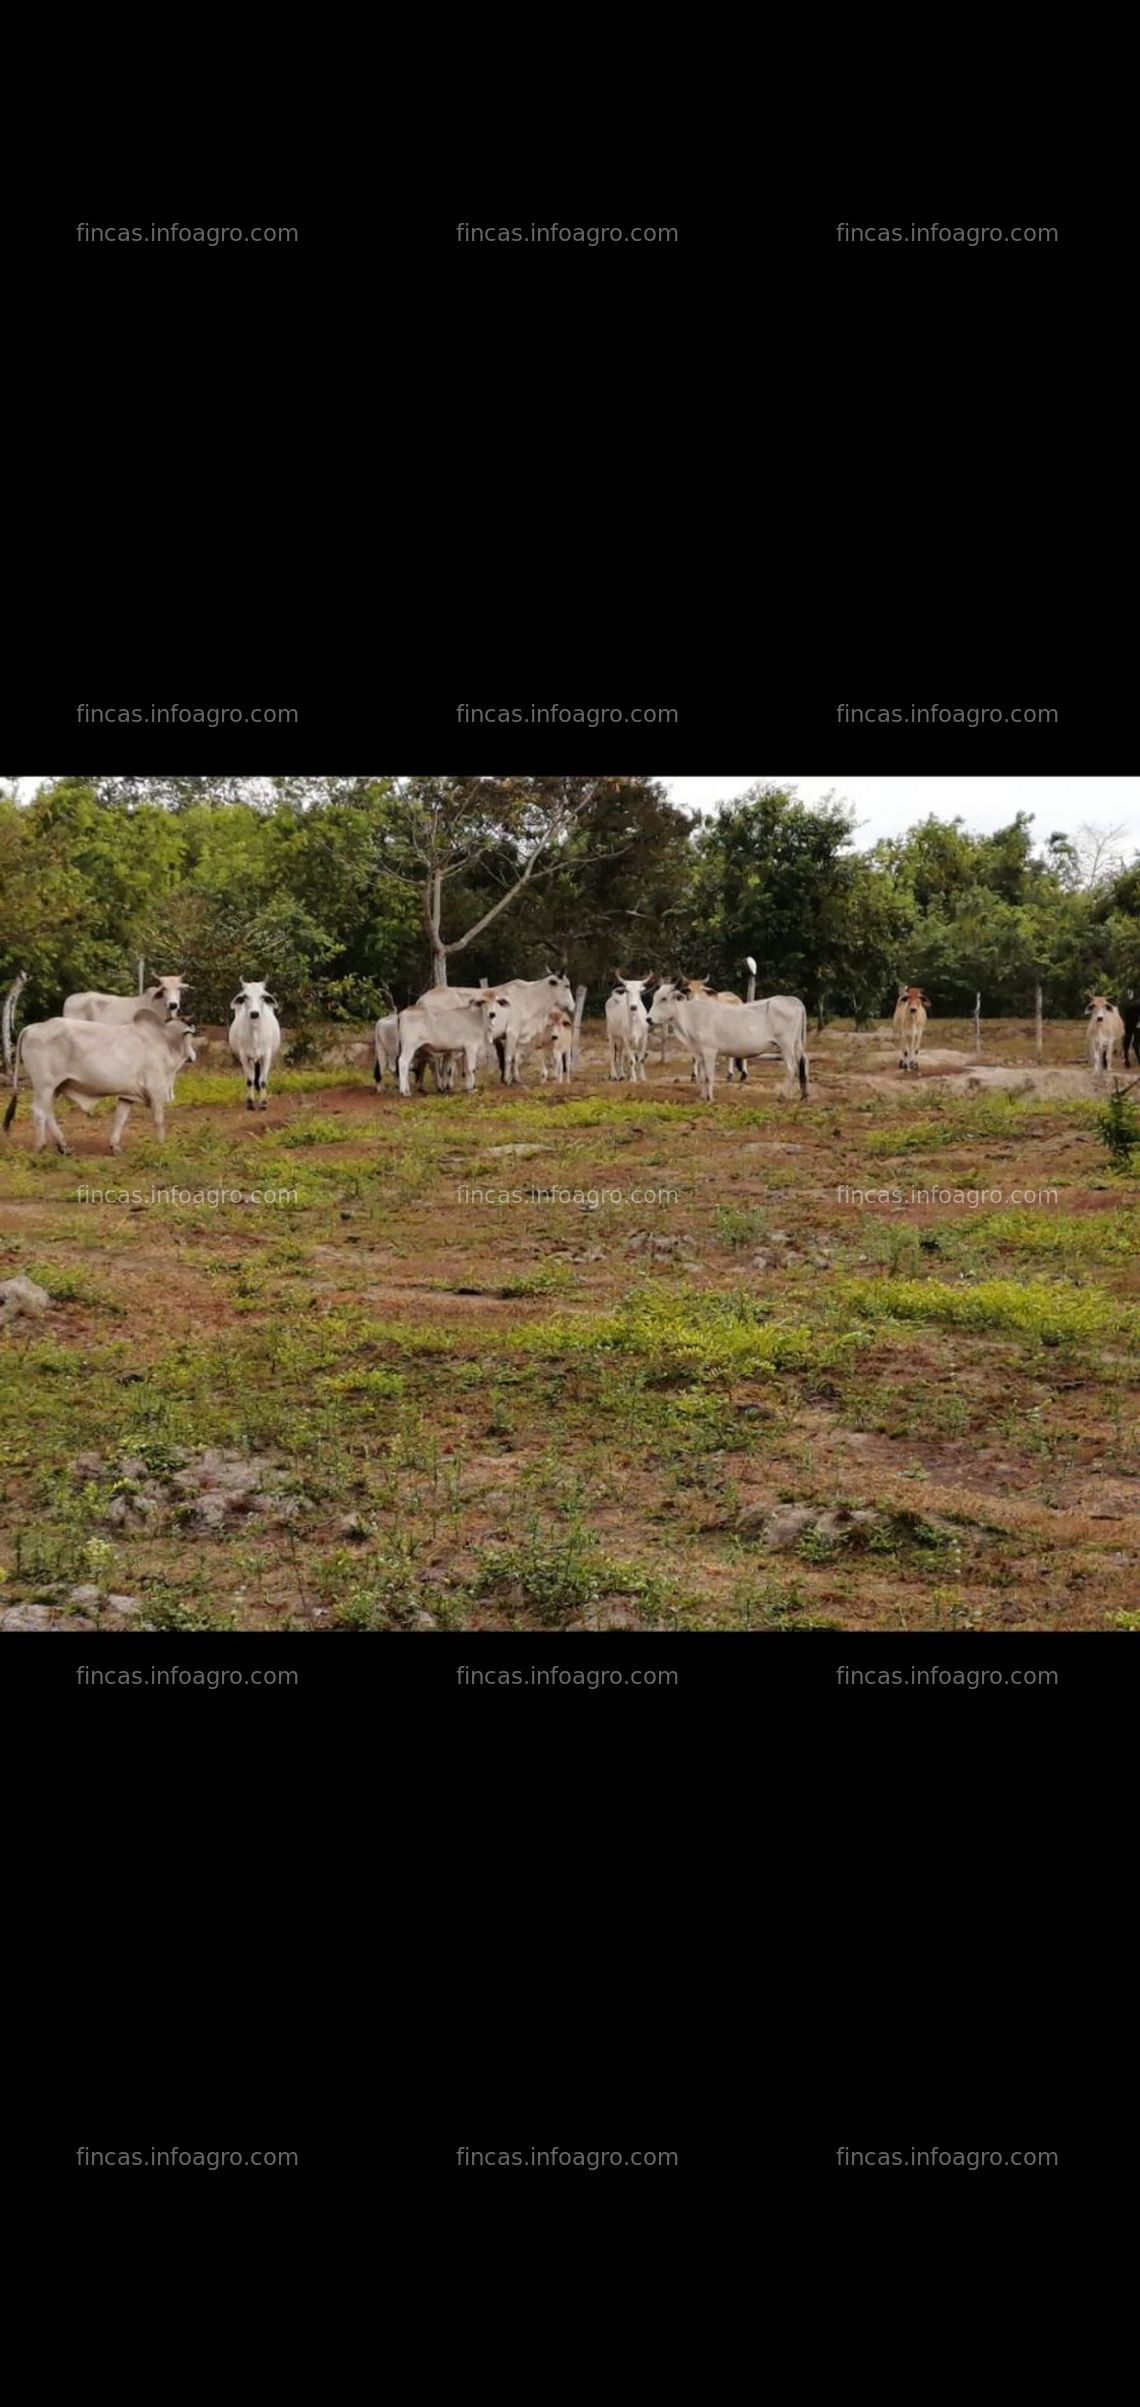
pixel 801 1052
pixel 10 1001
pixel 10 1114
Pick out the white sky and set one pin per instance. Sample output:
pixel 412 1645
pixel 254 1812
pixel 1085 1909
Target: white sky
pixel 887 806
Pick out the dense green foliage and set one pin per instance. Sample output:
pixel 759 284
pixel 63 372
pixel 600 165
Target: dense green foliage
pixel 323 886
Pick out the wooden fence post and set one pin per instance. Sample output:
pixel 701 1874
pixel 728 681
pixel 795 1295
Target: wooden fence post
pixel 750 989
pixel 142 975
pixel 977 1023
pixel 576 1039
pixel 1040 1030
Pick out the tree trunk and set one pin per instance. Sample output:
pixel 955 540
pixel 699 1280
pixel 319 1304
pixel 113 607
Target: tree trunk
pixel 433 903
pixel 576 1041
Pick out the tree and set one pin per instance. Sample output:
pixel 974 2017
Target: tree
pixel 513 829
pixel 770 880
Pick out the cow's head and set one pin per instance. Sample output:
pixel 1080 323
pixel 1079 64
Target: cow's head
pixel 255 995
pixel 670 992
pixel 561 991
pixel 496 1010
pixel 1097 1007
pixel 176 1034
pixel 166 995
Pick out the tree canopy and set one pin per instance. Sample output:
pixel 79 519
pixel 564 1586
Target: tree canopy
pixel 347 891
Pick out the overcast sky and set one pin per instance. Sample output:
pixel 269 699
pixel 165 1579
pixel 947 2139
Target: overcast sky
pixel 886 806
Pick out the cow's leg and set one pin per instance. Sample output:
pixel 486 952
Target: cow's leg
pixel 500 1044
pixel 614 1070
pixel 119 1120
pixel 470 1057
pixel 47 1110
pixel 708 1075
pixel 249 1102
pixel 41 1115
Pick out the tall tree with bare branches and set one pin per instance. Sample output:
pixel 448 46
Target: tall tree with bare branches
pixel 517 828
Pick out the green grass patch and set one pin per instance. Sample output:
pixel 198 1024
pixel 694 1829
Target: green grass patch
pixel 1055 1314
pixel 1051 1234
pixel 704 1335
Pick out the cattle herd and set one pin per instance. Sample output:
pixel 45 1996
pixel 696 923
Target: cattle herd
pixel 130 1048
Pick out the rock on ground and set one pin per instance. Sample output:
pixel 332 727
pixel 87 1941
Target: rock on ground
pixel 22 1297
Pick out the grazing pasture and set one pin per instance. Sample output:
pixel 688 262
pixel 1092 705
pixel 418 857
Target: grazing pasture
pixel 582 1357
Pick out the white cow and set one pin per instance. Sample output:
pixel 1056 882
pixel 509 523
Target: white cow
pixel 1106 1030
pixel 721 994
pixel 86 1060
pixel 255 1037
pixel 463 1028
pixel 162 998
pixel 910 1025
pixel 531 1001
pixel 387 1040
pixel 707 1028
pixel 627 1027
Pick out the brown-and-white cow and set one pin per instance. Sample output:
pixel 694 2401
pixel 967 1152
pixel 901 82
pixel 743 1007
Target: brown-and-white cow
pixel 556 1044
pixel 910 1024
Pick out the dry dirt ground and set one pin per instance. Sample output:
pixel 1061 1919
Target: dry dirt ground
pixel 577 1359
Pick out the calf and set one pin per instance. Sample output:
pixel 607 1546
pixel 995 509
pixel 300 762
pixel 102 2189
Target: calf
pixel 162 999
pixel 910 1024
pixel 463 1029
pixel 558 1042
pixel 255 1037
pixel 707 1028
pixel 627 1027
pixel 87 1059
pixel 1130 1022
pixel 1106 1029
